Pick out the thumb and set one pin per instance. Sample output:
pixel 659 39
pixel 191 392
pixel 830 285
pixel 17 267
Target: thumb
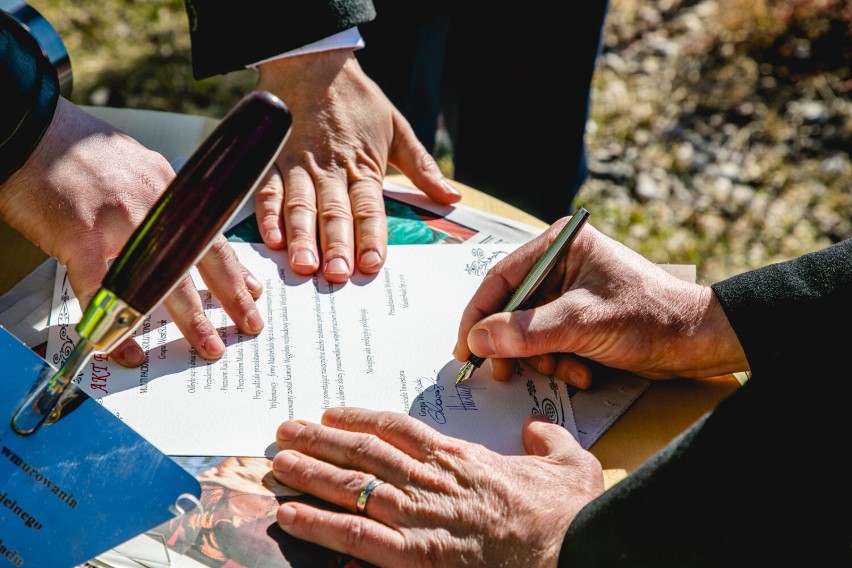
pixel 580 469
pixel 412 159
pixel 523 333
pixel 543 438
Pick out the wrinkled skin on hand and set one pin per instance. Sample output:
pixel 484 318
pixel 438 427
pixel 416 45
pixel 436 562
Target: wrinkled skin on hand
pixel 79 197
pixel 446 502
pixel 327 181
pixel 602 304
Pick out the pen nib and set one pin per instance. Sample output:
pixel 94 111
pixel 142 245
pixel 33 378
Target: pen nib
pixel 465 372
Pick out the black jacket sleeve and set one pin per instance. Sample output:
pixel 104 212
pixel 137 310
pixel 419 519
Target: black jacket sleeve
pixel 774 309
pixel 29 89
pixel 227 36
pixel 751 483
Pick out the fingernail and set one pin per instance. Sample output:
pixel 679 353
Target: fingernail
pixel 254 285
pixel 273 235
pixel 304 258
pixel 213 345
pixel 284 461
pixel 286 515
pixel 479 341
pixel 336 266
pixel 576 379
pixel 133 354
pixel 450 188
pixel 370 259
pixel 255 321
pixel 536 417
pixel 288 431
pixel 331 416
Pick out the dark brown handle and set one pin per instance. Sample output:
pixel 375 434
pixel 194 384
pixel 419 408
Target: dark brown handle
pixel 208 190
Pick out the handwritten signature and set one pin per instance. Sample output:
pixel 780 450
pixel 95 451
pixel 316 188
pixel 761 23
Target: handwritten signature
pixel 436 410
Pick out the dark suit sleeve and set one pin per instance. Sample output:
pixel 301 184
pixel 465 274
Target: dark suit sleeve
pixel 227 36
pixel 30 90
pixel 766 306
pixel 751 483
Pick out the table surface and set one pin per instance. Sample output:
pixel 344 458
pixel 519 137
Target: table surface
pixel 660 414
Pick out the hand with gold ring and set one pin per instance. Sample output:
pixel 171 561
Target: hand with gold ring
pixel 446 502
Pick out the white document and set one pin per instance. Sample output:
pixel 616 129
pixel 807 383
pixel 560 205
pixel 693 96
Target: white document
pixel 381 342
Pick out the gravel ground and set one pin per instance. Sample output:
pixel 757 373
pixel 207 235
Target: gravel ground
pixel 719 134
pixel 711 146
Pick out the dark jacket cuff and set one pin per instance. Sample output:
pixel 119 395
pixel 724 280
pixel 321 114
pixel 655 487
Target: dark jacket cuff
pixel 226 38
pixel 761 303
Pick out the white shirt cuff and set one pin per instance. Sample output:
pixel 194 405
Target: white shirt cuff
pixel 350 38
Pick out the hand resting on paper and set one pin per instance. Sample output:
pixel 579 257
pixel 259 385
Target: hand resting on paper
pixel 345 132
pixel 602 304
pixel 449 502
pixel 80 195
pixel 446 502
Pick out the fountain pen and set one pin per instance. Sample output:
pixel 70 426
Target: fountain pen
pixel 533 279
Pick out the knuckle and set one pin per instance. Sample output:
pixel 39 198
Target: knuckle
pixel 336 211
pixel 300 237
pixel 355 532
pixel 430 551
pixel 243 299
pixel 185 288
pixel 514 339
pixel 307 441
pixel 270 215
pixel 426 162
pixel 200 325
pixel 364 446
pixel 395 424
pixel 367 209
pixel 271 189
pixel 300 203
pixel 496 273
pixel 353 482
pixel 220 249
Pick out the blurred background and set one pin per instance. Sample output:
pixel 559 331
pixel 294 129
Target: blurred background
pixel 719 135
